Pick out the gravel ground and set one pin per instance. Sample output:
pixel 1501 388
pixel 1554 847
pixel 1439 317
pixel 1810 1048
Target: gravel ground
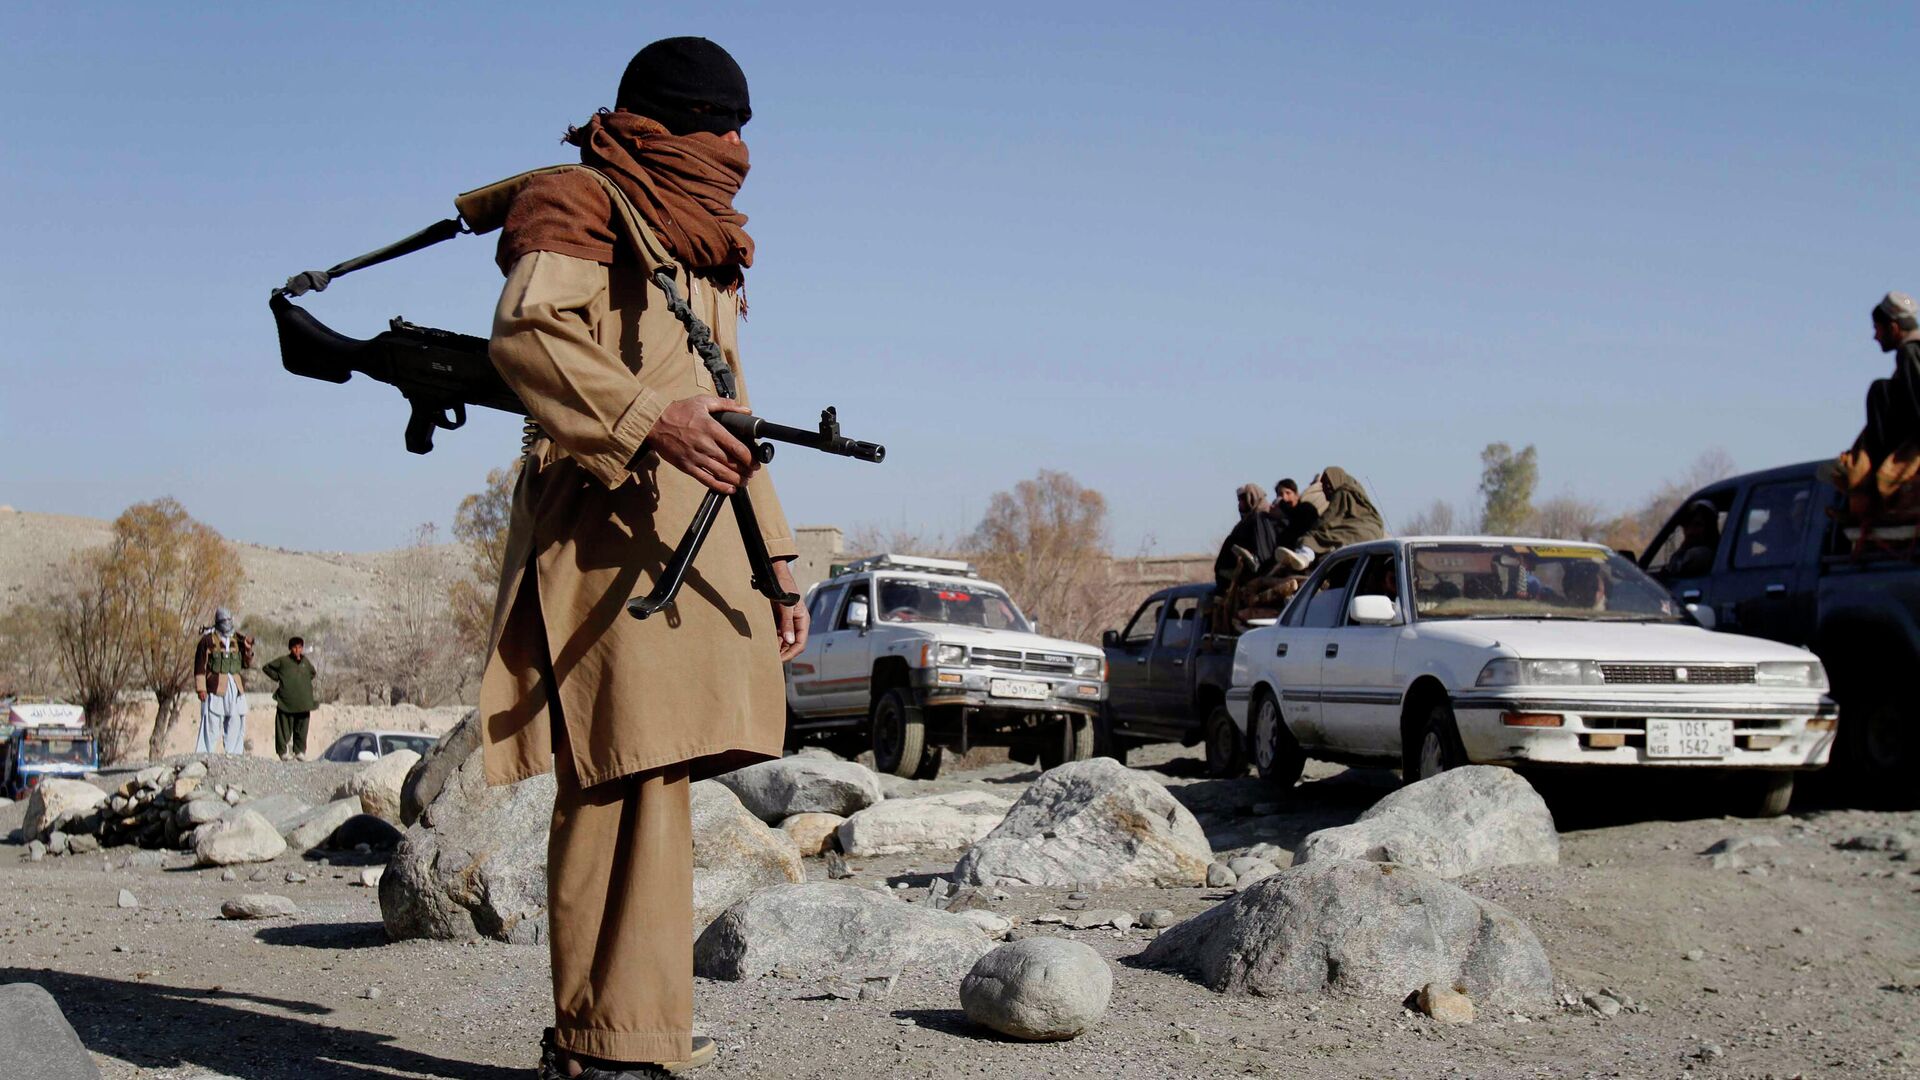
pixel 1805 965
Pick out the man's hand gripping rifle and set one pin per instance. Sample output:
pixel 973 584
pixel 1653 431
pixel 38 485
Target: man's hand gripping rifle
pixel 440 373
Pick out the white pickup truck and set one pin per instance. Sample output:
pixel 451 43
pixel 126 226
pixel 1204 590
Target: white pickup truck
pixel 1431 653
pixel 909 654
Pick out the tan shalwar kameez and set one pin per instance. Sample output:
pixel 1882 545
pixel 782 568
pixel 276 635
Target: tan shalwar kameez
pixel 626 712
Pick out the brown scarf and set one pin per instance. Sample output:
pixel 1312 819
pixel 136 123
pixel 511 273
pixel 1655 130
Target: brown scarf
pixel 683 185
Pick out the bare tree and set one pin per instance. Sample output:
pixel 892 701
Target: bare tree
pixel 480 527
pixel 90 622
pixel 1438 519
pixel 172 571
pixel 1567 517
pixel 1046 541
pixel 873 540
pixel 408 651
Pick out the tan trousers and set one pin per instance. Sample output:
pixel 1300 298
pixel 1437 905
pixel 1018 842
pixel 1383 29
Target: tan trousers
pixel 620 911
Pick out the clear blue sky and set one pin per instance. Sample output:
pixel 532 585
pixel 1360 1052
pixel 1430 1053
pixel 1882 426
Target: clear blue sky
pixel 1166 248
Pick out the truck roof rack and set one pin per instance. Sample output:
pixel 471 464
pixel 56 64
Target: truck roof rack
pixel 895 561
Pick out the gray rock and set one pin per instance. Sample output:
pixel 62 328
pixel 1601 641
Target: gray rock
pixel 812 834
pixel 312 829
pixel 1733 844
pixel 36 1040
pixel 1445 1004
pixel 229 874
pixel 1038 988
pixel 199 812
pixel 429 775
pixel 994 926
pixel 1089 920
pixel 1157 919
pixel 144 859
pixel 1464 820
pixel 279 810
pixel 1244 863
pixel 1358 929
pixel 734 853
pixel 370 876
pixel 57 801
pixel 1258 872
pixel 193 770
pixel 82 844
pixel 948 822
pixel 127 899
pixel 1096 822
pixel 244 838
pixel 775 790
pixel 57 842
pixel 378 785
pixel 258 906
pixel 1220 876
pixel 36 850
pixel 1603 1004
pixel 1895 840
pixel 830 930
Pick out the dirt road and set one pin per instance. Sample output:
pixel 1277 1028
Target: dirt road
pixel 1804 963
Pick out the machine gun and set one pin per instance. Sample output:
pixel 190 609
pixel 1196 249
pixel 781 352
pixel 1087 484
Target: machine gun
pixel 440 373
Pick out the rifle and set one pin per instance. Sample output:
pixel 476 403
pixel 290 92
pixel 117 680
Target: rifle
pixel 440 373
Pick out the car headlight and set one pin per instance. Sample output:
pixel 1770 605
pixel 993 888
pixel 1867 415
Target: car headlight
pixel 1089 667
pixel 941 654
pixel 1511 671
pixel 1801 674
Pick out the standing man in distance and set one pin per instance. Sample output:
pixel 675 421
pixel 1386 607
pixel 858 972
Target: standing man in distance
pixel 218 659
pixel 628 713
pixel 293 699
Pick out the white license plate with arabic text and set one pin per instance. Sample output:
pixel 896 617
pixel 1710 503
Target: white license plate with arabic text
pixel 1024 689
pixel 1689 738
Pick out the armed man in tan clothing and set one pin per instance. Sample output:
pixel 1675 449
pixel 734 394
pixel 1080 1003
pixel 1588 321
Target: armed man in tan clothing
pixel 627 712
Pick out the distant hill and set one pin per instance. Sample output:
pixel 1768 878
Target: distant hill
pixel 289 588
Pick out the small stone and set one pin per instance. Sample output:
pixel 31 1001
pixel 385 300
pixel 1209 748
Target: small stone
pixel 1185 1034
pixel 1445 1004
pixel 1695 955
pixel 1091 920
pixel 193 770
pixel 258 906
pixel 837 868
pixel 1258 872
pixel 1218 876
pixel 371 993
pixel 1158 918
pixel 1079 896
pixel 1803 929
pixel 1038 989
pixel 1602 1004
pixel 1710 1052
pixel 36 851
pixel 82 844
pixel 229 875
pixel 370 876
pixel 294 877
pixel 128 900
pixel 878 987
pixel 994 926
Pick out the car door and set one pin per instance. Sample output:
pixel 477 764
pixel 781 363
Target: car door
pixel 804 676
pixel 846 668
pixel 1170 685
pixel 1359 689
pixel 1129 678
pixel 1687 572
pixel 1761 592
pixel 1301 651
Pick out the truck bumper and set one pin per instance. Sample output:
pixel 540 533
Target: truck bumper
pixel 973 687
pixel 1773 735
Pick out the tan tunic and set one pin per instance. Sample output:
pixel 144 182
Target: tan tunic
pixel 596 355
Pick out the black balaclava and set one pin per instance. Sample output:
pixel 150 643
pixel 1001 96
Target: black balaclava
pixel 688 84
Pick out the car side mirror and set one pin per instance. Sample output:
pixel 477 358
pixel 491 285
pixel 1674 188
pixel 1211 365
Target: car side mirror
pixel 366 755
pixel 859 615
pixel 1703 615
pixel 1373 610
pixel 1109 639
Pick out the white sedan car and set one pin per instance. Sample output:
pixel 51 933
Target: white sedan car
pixel 1430 653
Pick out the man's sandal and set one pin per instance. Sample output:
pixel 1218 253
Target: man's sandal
pixel 551 1067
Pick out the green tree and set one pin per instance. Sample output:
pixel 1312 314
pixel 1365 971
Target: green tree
pixel 1507 480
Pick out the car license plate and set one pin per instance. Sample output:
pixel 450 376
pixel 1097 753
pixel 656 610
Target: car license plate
pixel 1020 688
pixel 1689 738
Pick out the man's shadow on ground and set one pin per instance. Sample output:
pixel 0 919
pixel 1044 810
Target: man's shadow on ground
pixel 156 1026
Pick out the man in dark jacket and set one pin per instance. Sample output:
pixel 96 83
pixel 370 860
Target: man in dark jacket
pixel 1349 518
pixel 293 700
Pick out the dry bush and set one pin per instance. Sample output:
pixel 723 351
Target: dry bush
pixel 29 651
pixel 1046 542
pixel 409 651
pixel 1567 517
pixel 96 652
pixel 480 526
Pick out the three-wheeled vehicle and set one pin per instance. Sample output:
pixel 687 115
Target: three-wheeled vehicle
pixel 42 740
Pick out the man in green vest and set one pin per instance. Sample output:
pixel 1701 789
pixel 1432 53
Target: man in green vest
pixel 292 675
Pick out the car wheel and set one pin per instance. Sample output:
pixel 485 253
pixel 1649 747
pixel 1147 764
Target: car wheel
pixel 1276 753
pixel 1105 742
pixel 900 736
pixel 1878 747
pixel 1226 751
pixel 1768 794
pixel 1079 745
pixel 1439 747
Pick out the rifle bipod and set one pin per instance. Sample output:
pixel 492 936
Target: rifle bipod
pixel 758 561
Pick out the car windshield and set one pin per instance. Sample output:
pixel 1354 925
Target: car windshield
pixel 419 744
pixel 955 603
pixel 1534 581
pixel 57 751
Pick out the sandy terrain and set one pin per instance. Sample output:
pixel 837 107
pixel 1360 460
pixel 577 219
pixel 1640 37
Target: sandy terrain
pixel 1809 967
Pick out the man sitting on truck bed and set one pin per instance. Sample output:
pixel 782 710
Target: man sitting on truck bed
pixel 1250 545
pixel 1886 456
pixel 1349 518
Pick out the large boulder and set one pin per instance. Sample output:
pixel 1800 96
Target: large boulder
pixel 475 862
pixel 378 785
pixel 1091 821
pixel 1461 821
pixel 279 810
pixel 1038 988
pixel 55 802
pixel 734 853
pixel 1360 929
pixel 311 829
pixel 430 773
pixel 826 930
pixel 36 1040
pixel 804 784
pixel 245 837
pixel 930 822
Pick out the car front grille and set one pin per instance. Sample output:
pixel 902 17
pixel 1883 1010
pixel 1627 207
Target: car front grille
pixel 1690 674
pixel 1042 663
